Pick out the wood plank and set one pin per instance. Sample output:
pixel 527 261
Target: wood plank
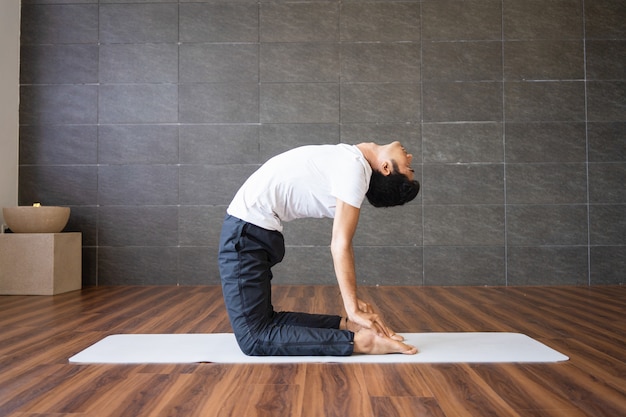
pixel 265 401
pixel 406 406
pixel 404 309
pixel 225 394
pixel 472 396
pixel 39 333
pixel 68 397
pixel 610 367
pixel 334 390
pixel 524 394
pixel 136 395
pixel 191 394
pixel 582 389
pixel 29 385
pixel 390 380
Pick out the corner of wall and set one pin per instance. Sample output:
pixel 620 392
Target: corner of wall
pixel 9 101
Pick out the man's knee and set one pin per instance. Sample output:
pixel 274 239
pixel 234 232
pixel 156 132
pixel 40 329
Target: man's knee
pixel 248 345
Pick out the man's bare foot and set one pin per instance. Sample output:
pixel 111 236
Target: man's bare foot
pixel 368 342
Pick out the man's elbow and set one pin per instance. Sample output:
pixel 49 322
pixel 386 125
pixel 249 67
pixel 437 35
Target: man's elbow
pixel 340 247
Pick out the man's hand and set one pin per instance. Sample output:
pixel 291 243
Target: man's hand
pixel 366 317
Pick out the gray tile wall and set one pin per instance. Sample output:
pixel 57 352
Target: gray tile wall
pixel 146 116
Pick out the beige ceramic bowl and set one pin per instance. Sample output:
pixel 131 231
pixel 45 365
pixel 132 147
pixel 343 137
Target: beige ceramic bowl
pixel 30 219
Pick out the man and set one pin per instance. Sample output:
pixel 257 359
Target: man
pixel 310 181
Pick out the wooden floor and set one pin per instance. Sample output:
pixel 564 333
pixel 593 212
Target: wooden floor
pixel 38 335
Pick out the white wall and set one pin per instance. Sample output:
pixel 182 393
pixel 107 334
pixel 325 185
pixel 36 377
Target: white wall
pixel 9 100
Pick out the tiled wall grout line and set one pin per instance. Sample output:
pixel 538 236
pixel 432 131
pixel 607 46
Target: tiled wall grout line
pixel 586 145
pixel 424 277
pixel 504 164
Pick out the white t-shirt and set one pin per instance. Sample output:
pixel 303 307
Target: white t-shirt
pixel 303 182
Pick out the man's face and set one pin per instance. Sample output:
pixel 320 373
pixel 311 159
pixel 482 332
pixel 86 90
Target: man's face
pixel 396 152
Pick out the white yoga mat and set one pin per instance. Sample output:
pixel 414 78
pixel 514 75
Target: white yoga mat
pixel 222 348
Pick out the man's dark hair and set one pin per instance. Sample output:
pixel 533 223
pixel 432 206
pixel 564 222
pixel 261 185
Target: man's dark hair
pixel 390 190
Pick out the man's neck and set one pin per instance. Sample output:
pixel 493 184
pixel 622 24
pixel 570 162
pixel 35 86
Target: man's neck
pixel 369 151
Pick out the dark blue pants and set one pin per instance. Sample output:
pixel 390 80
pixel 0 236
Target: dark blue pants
pixel 246 255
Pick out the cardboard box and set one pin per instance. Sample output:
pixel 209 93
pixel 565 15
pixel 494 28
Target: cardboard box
pixel 40 263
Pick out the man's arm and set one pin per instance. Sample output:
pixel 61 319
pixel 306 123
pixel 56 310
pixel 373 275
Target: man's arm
pixel 344 228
